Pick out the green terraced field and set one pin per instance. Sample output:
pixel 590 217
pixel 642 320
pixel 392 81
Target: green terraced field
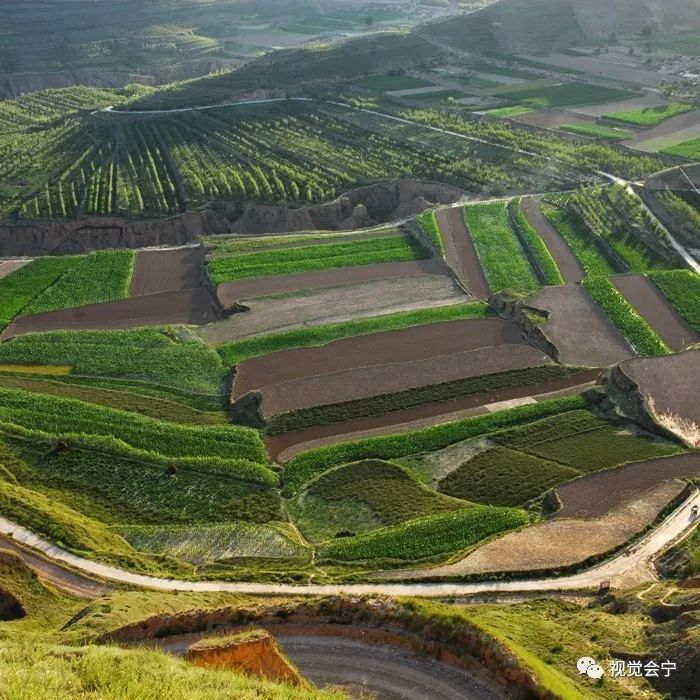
pixel 682 289
pixel 650 116
pixel 598 131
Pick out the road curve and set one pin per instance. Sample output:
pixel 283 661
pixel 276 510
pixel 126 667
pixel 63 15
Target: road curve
pixel 637 558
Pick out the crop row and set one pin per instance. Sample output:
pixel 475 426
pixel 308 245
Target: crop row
pixel 429 224
pixel 632 326
pixel 682 289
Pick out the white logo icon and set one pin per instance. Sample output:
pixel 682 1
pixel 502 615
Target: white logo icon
pixel 587 665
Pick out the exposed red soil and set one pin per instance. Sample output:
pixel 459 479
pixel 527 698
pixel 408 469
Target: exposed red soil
pixel 193 306
pixel 646 298
pixel 578 328
pixel 365 382
pixel 285 446
pixel 671 381
pixel 460 252
pixel 405 345
pixel 231 292
pixel 596 494
pixel 567 262
pixel 157 271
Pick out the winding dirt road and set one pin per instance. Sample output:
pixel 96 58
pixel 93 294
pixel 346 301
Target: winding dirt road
pixel 635 561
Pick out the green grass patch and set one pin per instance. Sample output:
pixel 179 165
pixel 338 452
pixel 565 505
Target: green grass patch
pixel 308 465
pixel 650 116
pixel 100 277
pixel 574 232
pixel 500 252
pixel 20 288
pixel 682 289
pixel 428 223
pixel 202 544
pixel 386 403
pixel 234 353
pixel 686 149
pixel 426 537
pixel 386 83
pixel 173 357
pixel 67 416
pixel 364 496
pixel 599 131
pixel 536 246
pixel 292 261
pixel 509 112
pixel 624 316
pixel 504 477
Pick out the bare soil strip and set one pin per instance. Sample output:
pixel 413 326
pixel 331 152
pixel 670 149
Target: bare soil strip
pixel 568 263
pixel 553 118
pixel 284 447
pixel 230 293
pixel 561 542
pixel 193 306
pixel 669 132
pixel 389 348
pixel 672 381
pixel 335 305
pixel 645 296
pixel 157 271
pixel 7 267
pixel 365 382
pixel 460 252
pixel 596 494
pixel 579 329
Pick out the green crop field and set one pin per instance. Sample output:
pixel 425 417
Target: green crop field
pixel 170 357
pixel 361 497
pixel 641 336
pixel 426 537
pixel 504 477
pixel 291 261
pixel 686 149
pixel 564 95
pixel 650 116
pixel 500 252
pixel 385 83
pixel 509 112
pixel 598 131
pixel 428 223
pixel 20 288
pixel 306 466
pixel 234 353
pixel 682 289
pixel 537 248
pixel 102 276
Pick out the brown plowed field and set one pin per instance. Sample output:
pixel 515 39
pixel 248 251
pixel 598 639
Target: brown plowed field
pixel 193 306
pixel 364 382
pixel 561 542
pixel 579 329
pixel 646 298
pixel 7 267
pixel 553 118
pixel 157 271
pixel 672 381
pixel 405 345
pixel 285 446
pixel 460 252
pixel 596 494
pixel 567 262
pixel 231 292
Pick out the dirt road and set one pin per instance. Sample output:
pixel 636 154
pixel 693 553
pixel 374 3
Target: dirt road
pixel 568 263
pixel 460 252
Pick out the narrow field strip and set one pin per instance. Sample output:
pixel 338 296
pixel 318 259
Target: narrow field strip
pixel 500 252
pixel 682 289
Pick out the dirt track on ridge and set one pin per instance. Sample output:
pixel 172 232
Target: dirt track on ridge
pixel 646 298
pixel 284 447
pixel 596 494
pixel 461 253
pixel 231 292
pixel 567 262
pixel 7 267
pixel 405 345
pixel 157 271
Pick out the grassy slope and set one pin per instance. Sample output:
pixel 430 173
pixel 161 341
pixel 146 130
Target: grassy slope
pixel 233 353
pixel 100 277
pixel 499 250
pixel 20 288
pixel 291 261
pixel 429 224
